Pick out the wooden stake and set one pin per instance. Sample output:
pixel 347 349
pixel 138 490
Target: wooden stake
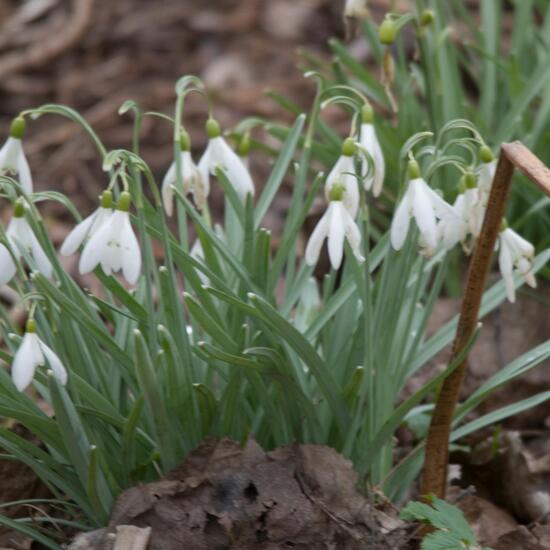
pixel 434 478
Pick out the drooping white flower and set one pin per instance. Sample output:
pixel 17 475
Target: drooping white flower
pixel 336 225
pixel 22 238
pixel 515 253
pixel 426 206
pixel 88 226
pixel 12 157
pixel 7 266
pixel 343 175
pixel 218 154
pixel 33 353
pixel 369 142
pixel 114 245
pixel 465 222
pixel 193 182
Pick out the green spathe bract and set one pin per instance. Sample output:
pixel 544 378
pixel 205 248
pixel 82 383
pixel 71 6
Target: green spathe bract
pixel 152 371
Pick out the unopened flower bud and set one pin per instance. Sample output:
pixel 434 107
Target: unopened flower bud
pixel 427 17
pixel 387 31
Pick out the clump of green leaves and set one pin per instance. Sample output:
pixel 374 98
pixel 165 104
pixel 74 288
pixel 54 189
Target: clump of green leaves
pixel 451 530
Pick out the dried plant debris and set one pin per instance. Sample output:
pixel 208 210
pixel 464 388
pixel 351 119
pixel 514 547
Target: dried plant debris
pixel 503 471
pixel 226 496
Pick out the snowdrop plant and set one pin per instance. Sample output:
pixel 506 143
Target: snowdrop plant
pixel 231 336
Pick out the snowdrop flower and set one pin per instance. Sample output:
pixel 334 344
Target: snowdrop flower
pixel 21 237
pixel 454 229
pixel 12 158
pixel 336 225
pixel 515 252
pixel 31 354
pixel 192 180
pixel 369 142
pixel 343 175
pixel 219 155
pixel 88 226
pixel 114 245
pixel 426 206
pixel 356 9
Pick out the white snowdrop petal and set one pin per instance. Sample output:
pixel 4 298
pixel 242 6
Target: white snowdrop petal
pixel 167 191
pixel 24 171
pixel 369 141
pixel 54 362
pixel 235 169
pixel 95 248
pixel 353 234
pixel 336 233
pixel 506 265
pixel 42 261
pixel 76 237
pixel 313 248
pixel 25 361
pixel 131 253
pixel 8 269
pixel 424 214
pixel 401 221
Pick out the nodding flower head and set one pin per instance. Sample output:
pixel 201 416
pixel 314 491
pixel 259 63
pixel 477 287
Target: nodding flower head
pixel 114 246
pixel 336 225
pixel 515 253
pixel 192 180
pixel 88 226
pixel 22 239
pixel 343 174
pixel 34 353
pixel 12 157
pixel 369 142
pixel 218 154
pixel 423 204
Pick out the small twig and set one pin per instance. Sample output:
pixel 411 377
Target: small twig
pixel 434 479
